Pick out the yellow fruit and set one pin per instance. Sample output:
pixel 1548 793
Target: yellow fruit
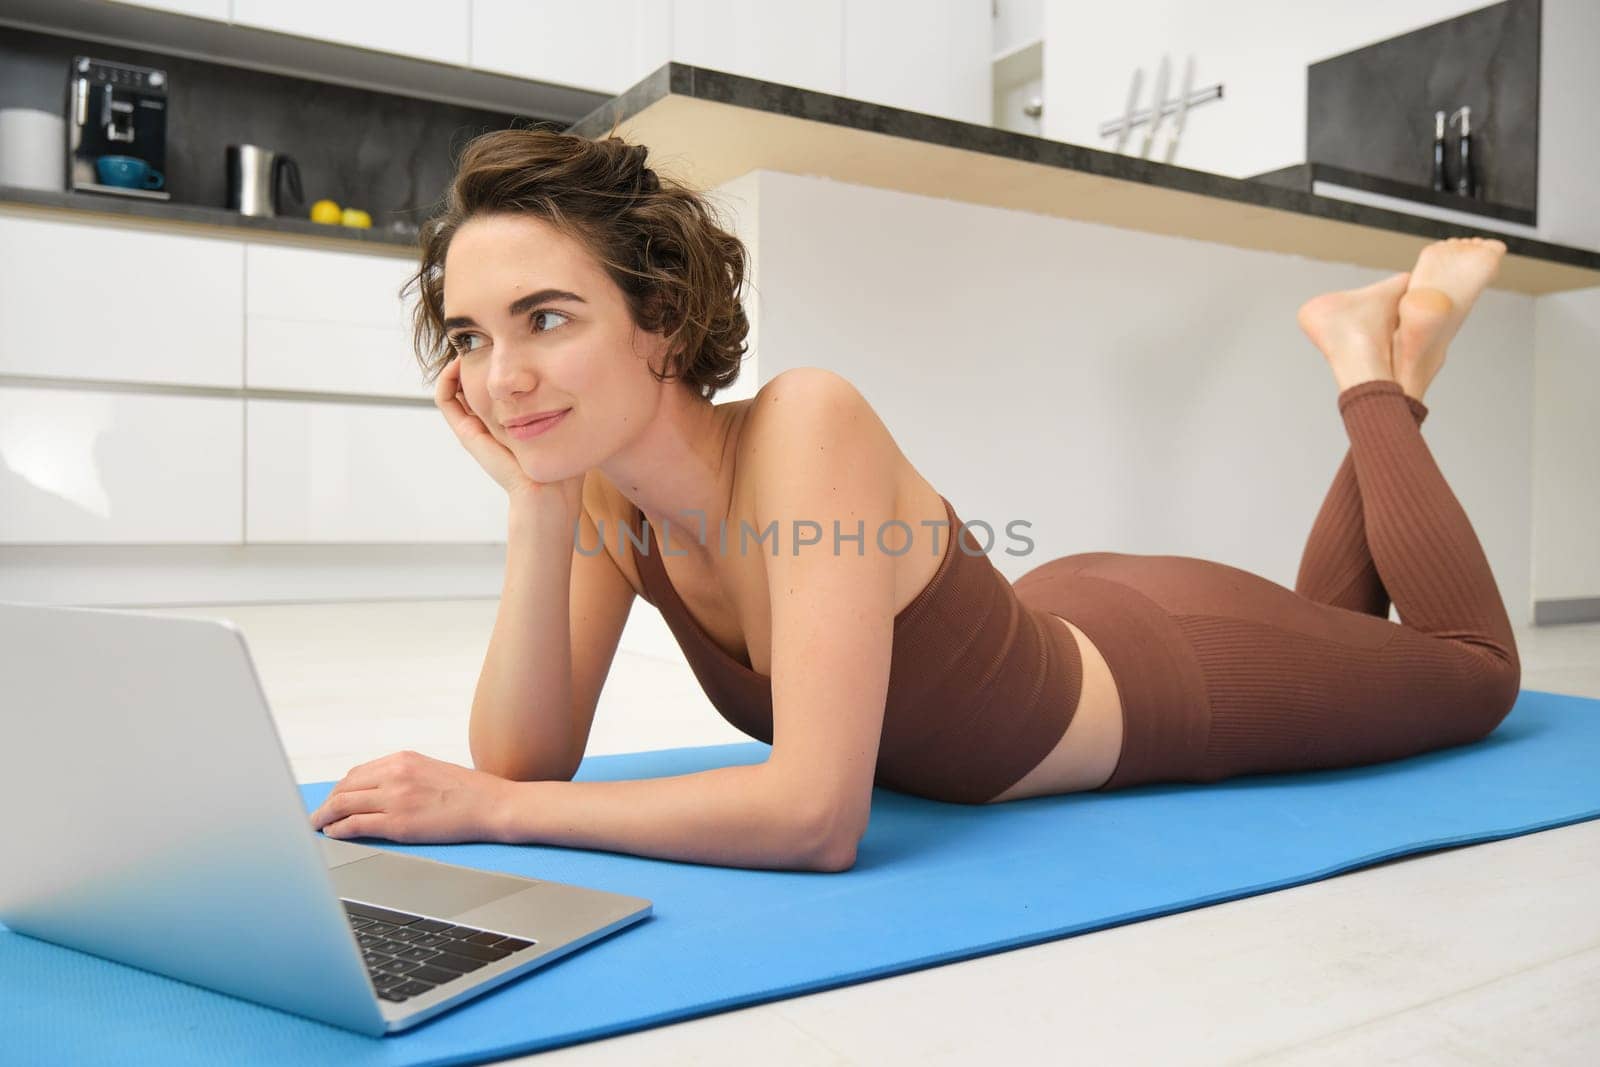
pixel 358 218
pixel 325 211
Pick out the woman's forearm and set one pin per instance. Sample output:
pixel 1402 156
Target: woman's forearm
pixel 726 816
pixel 522 719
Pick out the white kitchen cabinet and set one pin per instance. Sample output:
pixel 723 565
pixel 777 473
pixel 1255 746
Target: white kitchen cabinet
pixel 425 29
pixel 90 301
pixel 327 321
pixel 786 41
pixel 932 56
pixel 601 45
pixel 80 466
pixel 322 472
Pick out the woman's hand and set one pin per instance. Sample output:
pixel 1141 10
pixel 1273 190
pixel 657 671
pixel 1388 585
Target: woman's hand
pixel 493 456
pixel 470 430
pixel 412 798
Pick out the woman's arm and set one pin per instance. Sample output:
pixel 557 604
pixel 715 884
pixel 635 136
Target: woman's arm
pixel 727 816
pixel 742 816
pixel 827 470
pixel 522 722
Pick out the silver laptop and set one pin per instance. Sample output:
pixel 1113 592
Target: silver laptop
pixel 151 817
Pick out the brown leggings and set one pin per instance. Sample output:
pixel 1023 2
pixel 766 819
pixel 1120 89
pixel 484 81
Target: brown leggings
pixel 1221 672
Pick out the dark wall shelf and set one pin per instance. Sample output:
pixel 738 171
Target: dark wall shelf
pixel 1301 176
pixel 1371 110
pixel 215 222
pixel 387 154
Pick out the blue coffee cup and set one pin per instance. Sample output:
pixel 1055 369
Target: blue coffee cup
pixel 129 172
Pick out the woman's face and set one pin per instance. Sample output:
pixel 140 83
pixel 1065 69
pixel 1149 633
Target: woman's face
pixel 538 326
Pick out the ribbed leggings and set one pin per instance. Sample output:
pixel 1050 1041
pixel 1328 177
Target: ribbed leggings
pixel 1222 672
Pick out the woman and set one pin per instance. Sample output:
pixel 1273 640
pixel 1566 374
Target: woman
pixel 580 315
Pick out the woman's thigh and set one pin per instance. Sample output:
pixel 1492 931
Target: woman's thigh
pixel 1283 699
pixel 1296 684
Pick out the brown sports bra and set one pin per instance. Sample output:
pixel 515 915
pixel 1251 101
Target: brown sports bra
pixel 981 685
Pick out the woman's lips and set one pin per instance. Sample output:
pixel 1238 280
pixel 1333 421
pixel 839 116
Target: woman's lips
pixel 537 427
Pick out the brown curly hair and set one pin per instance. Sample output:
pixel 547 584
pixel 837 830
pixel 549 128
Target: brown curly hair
pixel 679 269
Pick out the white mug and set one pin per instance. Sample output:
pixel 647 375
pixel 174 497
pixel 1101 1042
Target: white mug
pixel 33 149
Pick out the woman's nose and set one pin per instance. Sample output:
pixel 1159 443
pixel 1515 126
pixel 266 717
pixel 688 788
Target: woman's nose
pixel 509 374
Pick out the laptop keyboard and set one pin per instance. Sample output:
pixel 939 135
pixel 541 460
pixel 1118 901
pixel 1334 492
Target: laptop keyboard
pixel 408 955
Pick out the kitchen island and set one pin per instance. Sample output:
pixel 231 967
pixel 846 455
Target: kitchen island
pixel 709 126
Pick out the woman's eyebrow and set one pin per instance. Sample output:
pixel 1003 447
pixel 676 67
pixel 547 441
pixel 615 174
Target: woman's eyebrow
pixel 520 305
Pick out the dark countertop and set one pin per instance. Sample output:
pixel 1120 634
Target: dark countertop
pixel 213 220
pixel 705 127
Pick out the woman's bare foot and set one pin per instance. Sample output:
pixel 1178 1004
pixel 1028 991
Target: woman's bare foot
pixel 1354 328
pixel 1446 281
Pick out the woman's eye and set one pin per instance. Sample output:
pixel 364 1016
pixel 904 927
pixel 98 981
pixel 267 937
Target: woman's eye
pixel 458 342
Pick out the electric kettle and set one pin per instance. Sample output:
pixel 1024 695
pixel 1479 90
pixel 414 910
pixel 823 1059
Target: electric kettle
pixel 253 179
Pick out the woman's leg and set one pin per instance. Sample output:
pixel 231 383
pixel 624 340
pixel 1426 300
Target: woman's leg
pixel 1288 691
pixel 1423 546
pixel 1336 567
pixel 1424 551
pixel 1291 683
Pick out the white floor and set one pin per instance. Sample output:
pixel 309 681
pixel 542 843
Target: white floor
pixel 1487 954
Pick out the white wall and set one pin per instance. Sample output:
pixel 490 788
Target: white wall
pixel 1569 96
pixel 1259 50
pixel 1120 390
pixel 1566 485
pixel 1566 494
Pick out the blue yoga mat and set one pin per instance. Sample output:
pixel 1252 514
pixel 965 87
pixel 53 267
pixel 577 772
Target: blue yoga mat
pixel 933 883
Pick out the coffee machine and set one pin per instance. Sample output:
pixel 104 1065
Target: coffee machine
pixel 117 110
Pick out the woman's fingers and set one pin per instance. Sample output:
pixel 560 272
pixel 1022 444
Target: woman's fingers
pixel 448 383
pixel 356 826
pixel 450 399
pixel 444 389
pixel 447 398
pixel 342 803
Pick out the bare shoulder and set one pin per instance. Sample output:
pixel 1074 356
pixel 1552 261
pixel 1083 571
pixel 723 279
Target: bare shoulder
pixel 811 433
pixel 791 412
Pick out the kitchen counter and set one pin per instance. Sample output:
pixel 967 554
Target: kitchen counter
pixel 202 220
pixel 705 127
